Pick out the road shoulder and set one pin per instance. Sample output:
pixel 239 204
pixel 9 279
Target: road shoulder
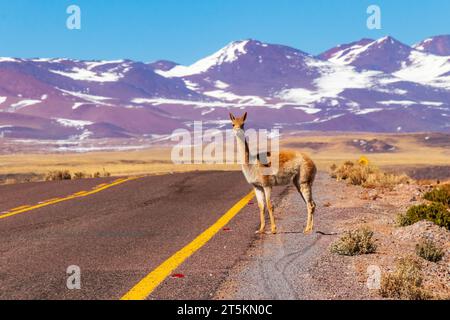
pixel 291 265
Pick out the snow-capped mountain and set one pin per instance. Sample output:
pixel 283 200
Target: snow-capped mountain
pixel 439 45
pixel 247 71
pixel 368 85
pixel 385 54
pixel 342 49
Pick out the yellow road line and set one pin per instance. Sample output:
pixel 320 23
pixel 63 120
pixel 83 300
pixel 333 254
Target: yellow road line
pixel 80 193
pixel 147 285
pixel 45 201
pixel 23 209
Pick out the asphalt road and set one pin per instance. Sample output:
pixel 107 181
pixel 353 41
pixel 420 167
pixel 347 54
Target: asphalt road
pixel 119 235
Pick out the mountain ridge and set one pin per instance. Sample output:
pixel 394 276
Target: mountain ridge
pixel 356 85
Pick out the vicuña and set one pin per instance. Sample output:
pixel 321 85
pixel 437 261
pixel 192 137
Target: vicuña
pixel 293 167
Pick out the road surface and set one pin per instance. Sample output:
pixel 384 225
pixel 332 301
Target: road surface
pixel 118 235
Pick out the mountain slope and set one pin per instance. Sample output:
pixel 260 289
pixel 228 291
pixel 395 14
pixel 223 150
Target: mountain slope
pixel 368 85
pixel 386 54
pixel 439 45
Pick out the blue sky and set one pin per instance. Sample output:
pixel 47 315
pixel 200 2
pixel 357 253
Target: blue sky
pixel 186 30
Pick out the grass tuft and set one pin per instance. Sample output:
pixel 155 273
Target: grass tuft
pixel 354 243
pixel 429 251
pixel 81 175
pixel 363 174
pixel 405 283
pixel 440 194
pixel 58 175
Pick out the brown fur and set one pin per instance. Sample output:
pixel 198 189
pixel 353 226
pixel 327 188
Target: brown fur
pixel 286 156
pixel 293 167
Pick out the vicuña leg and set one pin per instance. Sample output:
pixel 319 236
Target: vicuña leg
pixel 268 193
pixel 260 198
pixel 306 190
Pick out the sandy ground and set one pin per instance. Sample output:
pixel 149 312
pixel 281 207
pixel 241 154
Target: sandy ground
pixel 428 153
pixel 291 265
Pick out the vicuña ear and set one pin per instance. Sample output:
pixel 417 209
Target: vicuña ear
pixel 244 117
pixel 232 117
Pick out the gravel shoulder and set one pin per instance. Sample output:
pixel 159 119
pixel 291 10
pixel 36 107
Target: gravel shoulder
pixel 291 265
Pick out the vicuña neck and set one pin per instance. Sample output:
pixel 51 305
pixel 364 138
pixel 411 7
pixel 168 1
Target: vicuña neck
pixel 243 148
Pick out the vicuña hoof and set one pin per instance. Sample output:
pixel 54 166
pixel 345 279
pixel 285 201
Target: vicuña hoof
pixel 308 231
pixel 274 230
pixel 260 231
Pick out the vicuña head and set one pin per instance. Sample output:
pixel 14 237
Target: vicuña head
pixel 238 123
pixel 294 167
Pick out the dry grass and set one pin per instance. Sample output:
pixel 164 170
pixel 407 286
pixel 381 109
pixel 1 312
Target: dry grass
pixel 324 149
pixel 368 176
pixel 354 243
pixel 58 175
pixel 152 161
pixel 427 250
pixel 409 152
pixel 440 194
pixel 405 283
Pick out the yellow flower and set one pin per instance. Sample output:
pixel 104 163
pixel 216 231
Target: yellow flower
pixel 363 161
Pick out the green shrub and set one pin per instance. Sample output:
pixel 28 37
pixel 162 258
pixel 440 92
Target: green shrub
pixel 439 194
pixel 429 251
pixel 435 212
pixel 354 243
pixel 405 283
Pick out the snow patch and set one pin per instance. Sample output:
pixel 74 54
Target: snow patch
pixel 191 85
pixel 231 97
pixel 426 69
pixel 226 55
pixel 398 102
pixel 79 124
pixel 22 104
pixel 308 110
pixel 221 85
pixel 87 97
pixel 77 105
pixel 5 59
pixel 367 111
pixel 334 80
pixel 88 75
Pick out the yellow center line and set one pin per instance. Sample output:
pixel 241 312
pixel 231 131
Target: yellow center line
pixel 148 284
pixel 45 201
pixel 21 207
pixel 80 193
pixel 24 209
